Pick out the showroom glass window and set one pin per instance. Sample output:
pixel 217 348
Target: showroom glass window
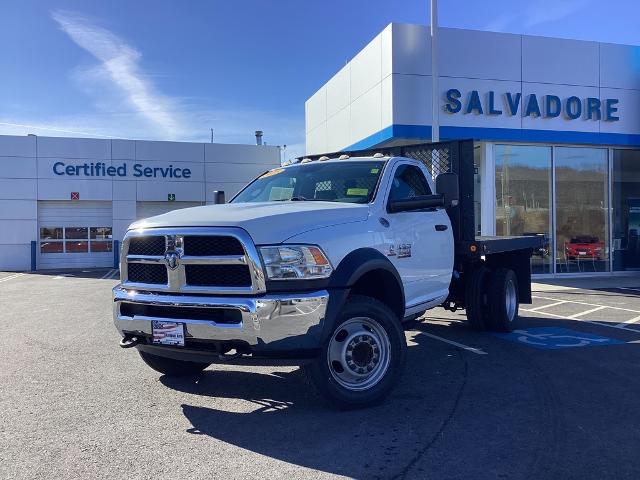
pixel 523 197
pixel 626 209
pixel 581 210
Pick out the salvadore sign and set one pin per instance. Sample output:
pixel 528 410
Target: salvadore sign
pixel 532 105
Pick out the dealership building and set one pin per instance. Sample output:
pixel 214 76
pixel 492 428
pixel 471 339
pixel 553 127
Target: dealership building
pixel 556 125
pixel 66 202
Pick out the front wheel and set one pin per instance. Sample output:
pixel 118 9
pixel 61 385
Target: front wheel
pixel 364 356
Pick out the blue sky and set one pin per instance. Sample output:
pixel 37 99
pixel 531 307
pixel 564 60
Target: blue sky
pixel 173 70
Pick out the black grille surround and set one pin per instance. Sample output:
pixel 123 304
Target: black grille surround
pixel 211 245
pixel 218 275
pixel 155 274
pixel 225 316
pixel 152 245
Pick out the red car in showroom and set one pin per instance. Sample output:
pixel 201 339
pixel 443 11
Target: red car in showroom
pixel 584 246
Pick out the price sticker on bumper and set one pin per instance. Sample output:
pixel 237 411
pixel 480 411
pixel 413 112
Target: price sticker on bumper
pixel 168 333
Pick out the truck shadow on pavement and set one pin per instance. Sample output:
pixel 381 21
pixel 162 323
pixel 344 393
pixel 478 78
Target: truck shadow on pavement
pixel 292 424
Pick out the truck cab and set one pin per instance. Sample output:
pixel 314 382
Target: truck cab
pixel 321 263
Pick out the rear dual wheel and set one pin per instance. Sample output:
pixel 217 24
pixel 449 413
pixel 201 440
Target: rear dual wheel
pixel 492 300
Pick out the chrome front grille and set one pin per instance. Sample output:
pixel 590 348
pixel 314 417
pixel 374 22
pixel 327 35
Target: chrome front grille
pixel 191 260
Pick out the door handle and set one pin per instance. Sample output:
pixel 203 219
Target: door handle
pixel 441 228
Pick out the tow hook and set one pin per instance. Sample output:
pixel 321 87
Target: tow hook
pixel 129 341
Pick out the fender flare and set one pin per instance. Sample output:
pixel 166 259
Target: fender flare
pixel 350 269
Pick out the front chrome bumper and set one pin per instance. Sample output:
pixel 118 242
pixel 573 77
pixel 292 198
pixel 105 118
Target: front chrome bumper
pixel 269 323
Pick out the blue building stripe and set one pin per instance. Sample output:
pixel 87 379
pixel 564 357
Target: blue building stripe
pixel 423 132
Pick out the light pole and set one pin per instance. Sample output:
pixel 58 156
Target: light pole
pixel 435 97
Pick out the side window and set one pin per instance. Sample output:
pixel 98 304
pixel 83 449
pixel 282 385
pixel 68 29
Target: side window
pixel 408 182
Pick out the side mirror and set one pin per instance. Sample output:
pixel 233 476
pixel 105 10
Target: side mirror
pixel 218 196
pixel 422 202
pixel 447 185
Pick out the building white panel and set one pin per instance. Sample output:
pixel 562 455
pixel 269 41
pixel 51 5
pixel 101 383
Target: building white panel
pixel 619 66
pixel 156 171
pixel 89 148
pixel 124 209
pixel 411 100
pixel 628 111
pixel 473 119
pixel 18 189
pixel 170 151
pixel 15 258
pixel 317 139
pixel 474 54
pixel 159 191
pixel 411 49
pixel 563 62
pixel 12 146
pixel 151 209
pixel 242 172
pixel 18 167
pixel 123 149
pixel 316 109
pixel 366 68
pixel 120 227
pixel 366 115
pixel 386 101
pixel 338 130
pixel 339 91
pixel 61 189
pixel 386 51
pixel 18 209
pixel 124 190
pixel 19 231
pixel 231 154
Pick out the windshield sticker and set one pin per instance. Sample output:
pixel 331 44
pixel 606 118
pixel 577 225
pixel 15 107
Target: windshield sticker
pixel 360 192
pixel 273 172
pixel 280 193
pixel 375 170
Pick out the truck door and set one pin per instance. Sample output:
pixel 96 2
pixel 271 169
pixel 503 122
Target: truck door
pixel 421 242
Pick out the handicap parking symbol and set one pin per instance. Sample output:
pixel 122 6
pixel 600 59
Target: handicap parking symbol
pixel 554 338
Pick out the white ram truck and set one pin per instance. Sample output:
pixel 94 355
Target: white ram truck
pixel 323 263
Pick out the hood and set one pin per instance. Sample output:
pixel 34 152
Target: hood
pixel 266 222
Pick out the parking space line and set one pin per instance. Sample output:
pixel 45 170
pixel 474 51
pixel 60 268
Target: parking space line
pixel 11 277
pixel 620 326
pixel 629 322
pixel 548 306
pixel 586 312
pixel 589 304
pixel 477 351
pixel 108 274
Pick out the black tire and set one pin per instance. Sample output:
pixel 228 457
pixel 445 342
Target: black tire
pixel 170 366
pixel 475 298
pixel 322 372
pixel 504 300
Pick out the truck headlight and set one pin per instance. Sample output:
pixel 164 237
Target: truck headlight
pixel 287 262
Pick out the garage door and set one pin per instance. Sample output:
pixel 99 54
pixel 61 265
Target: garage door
pixel 75 234
pixel 150 209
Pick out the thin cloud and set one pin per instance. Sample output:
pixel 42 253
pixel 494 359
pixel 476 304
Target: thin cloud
pixel 121 64
pixel 537 13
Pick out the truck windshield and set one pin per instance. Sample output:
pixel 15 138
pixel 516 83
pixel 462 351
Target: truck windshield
pixel 351 182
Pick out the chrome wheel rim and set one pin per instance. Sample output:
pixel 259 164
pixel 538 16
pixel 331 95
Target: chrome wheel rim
pixel 511 300
pixel 359 353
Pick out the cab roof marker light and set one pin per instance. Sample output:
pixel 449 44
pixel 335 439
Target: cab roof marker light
pixel 306 160
pixel 378 155
pixel 343 157
pixel 323 158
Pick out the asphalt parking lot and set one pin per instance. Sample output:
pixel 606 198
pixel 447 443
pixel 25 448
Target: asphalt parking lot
pixel 559 399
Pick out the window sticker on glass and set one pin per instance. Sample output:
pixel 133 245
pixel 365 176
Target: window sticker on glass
pixel 280 193
pixel 273 172
pixel 360 192
pixel 375 170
